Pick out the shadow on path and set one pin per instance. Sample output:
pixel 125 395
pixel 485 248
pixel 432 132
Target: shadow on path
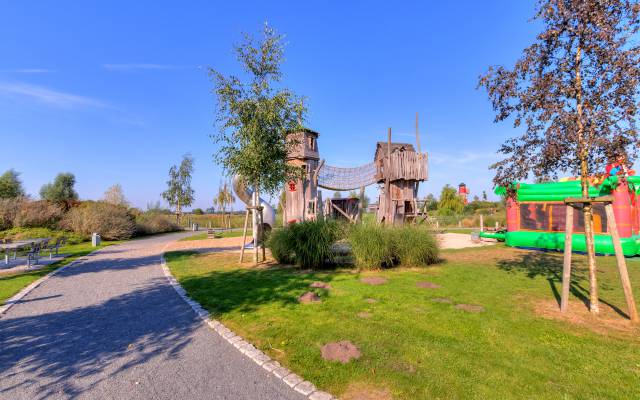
pixel 60 346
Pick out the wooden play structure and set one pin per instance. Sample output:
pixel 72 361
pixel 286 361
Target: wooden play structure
pixel 397 168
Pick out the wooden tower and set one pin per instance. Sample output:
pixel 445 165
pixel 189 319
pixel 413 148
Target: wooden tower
pixel 399 170
pixel 302 194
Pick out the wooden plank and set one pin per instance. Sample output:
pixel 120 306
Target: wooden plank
pixel 582 200
pixel 622 264
pixel 342 212
pixel 566 267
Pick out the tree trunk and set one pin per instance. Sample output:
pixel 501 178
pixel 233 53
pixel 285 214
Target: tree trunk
pixel 587 210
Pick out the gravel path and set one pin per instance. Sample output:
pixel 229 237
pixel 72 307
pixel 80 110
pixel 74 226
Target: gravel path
pixel 113 328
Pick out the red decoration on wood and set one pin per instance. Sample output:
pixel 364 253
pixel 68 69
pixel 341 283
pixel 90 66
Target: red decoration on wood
pixel 292 186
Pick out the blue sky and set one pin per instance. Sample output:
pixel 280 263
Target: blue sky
pixel 117 91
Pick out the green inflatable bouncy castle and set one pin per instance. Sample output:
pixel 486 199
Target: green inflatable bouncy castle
pixel 536 215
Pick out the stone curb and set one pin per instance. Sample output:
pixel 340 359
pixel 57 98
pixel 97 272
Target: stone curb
pixel 290 379
pixel 26 290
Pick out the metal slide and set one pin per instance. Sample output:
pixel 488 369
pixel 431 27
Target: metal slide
pixel 245 194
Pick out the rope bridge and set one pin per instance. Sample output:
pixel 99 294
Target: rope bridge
pixel 336 178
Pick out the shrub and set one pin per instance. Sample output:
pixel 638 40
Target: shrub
pixel 29 233
pixel 308 243
pixel 37 214
pixel 281 244
pixel 414 245
pixel 377 246
pixel 372 246
pixel 110 221
pixel 8 211
pixel 152 223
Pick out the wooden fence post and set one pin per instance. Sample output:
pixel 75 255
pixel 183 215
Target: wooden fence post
pixel 622 264
pixel 566 267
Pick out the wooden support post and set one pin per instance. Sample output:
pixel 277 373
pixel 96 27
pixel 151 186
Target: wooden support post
pixel 481 223
pixel 261 232
pixel 387 182
pixel 566 267
pixel 360 205
pixel 244 235
pixel 622 264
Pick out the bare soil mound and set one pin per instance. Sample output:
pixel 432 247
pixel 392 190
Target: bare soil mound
pixel 343 351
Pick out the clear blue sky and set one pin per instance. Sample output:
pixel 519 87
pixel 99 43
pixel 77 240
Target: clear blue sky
pixel 117 91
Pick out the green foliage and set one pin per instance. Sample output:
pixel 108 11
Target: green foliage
pixel 415 246
pixel 179 192
pixel 10 185
pixel 372 246
pixel 29 233
pixel 307 243
pixel 281 244
pixel 61 190
pixel 111 222
pixel 197 211
pixel 377 246
pixel 255 117
pixel 450 203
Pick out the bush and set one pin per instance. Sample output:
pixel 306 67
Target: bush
pixel 372 246
pixel 281 244
pixel 376 246
pixel 415 246
pixel 110 221
pixel 37 214
pixel 152 223
pixel 29 233
pixel 308 243
pixel 8 211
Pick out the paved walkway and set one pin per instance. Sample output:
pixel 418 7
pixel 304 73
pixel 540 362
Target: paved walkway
pixel 113 328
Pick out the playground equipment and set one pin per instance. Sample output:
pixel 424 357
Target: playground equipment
pixel 536 215
pixel 245 194
pixel 397 169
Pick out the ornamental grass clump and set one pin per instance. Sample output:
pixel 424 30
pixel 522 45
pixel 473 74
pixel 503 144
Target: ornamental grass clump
pixel 307 244
pixel 372 246
pixel 414 245
pixel 376 246
pixel 280 243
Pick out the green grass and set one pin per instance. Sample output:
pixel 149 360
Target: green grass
pixel 225 234
pixel 417 348
pixel 12 284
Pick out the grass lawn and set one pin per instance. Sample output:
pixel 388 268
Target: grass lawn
pixel 225 234
pixel 12 284
pixel 414 344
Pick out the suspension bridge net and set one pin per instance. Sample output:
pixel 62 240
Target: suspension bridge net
pixel 336 178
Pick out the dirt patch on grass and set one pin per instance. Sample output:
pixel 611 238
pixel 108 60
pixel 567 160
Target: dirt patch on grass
pixel 374 280
pixel 607 322
pixel 309 297
pixel 320 285
pixel 371 301
pixel 485 255
pixel 210 245
pixel 363 391
pixel 343 351
pixel 442 300
pixel 428 285
pixel 472 308
pixel 364 314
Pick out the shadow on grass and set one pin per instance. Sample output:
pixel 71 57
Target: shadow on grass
pixel 244 290
pixel 549 266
